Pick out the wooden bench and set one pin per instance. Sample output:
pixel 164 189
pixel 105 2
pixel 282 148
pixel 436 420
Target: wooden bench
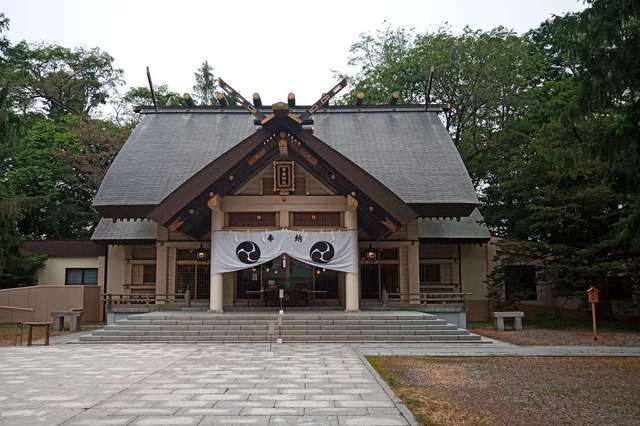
pixel 31 325
pixel 74 319
pixel 517 319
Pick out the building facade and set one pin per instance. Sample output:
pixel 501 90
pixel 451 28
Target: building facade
pixel 357 208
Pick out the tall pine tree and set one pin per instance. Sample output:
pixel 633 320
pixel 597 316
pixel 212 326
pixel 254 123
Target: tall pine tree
pixel 206 84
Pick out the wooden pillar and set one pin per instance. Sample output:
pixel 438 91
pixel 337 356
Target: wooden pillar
pixel 352 279
pixel 161 273
pixel 413 260
pixel 217 286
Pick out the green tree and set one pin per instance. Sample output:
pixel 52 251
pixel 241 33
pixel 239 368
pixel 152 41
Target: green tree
pixel 564 180
pixel 141 96
pixel 99 142
pixel 206 85
pixel 598 47
pixel 17 266
pixel 37 167
pixel 57 80
pixel 483 76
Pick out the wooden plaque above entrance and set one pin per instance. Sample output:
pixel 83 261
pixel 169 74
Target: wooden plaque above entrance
pixel 283 177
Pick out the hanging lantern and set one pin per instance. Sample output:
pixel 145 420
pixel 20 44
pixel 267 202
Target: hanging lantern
pixel 371 254
pixel 202 255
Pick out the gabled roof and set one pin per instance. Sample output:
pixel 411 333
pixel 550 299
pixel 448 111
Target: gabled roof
pixel 406 149
pixel 64 248
pixel 123 231
pixel 467 229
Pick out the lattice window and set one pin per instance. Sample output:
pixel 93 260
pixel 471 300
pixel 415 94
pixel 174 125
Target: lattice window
pixel 430 273
pixel 186 278
pixel 330 219
pixel 255 219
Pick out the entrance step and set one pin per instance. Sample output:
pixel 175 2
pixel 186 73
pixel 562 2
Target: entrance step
pixel 183 327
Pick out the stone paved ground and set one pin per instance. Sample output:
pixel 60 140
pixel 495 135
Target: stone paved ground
pixel 184 385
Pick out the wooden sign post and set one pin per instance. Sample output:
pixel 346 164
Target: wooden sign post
pixel 593 294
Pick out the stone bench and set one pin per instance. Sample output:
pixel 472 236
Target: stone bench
pixel 517 319
pixel 59 316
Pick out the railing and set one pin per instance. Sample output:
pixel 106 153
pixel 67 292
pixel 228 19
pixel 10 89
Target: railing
pixel 111 299
pixel 423 298
pixel 438 287
pixel 140 286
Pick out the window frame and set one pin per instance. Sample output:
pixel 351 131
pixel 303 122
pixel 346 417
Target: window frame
pixel 83 271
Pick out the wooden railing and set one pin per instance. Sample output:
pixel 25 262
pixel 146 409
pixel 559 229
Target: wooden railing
pixel 111 299
pixel 424 298
pixel 140 286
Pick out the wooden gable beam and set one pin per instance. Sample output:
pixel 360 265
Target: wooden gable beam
pixel 246 168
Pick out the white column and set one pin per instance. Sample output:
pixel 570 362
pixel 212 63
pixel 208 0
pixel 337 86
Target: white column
pixel 217 222
pixel 352 279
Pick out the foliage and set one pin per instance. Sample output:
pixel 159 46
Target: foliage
pixel 547 124
pixel 37 168
pixel 99 142
pixel 56 80
pixel 483 76
pixel 206 85
pixel 141 96
pixel 17 267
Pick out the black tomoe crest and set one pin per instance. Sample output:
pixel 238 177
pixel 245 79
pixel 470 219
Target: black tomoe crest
pixel 248 252
pixel 322 252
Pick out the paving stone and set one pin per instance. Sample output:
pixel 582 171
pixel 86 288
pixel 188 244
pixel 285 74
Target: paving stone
pixel 185 384
pixel 336 411
pixel 371 420
pixel 90 420
pixel 306 420
pixel 234 420
pixel 364 403
pixel 182 404
pixel 304 404
pixel 168 420
pixel 242 404
pixel 264 411
pixel 209 411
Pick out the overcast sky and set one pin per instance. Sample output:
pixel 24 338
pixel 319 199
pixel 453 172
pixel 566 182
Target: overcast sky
pixel 272 47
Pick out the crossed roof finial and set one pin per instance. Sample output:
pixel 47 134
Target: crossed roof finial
pixel 300 119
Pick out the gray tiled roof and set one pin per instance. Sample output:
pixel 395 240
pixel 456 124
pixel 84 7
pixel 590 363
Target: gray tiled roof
pixel 468 228
pixel 64 248
pixel 408 151
pixel 108 230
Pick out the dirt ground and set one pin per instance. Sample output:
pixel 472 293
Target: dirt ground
pixel 516 390
pixel 571 337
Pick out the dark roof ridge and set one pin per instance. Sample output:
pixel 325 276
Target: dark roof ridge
pixel 234 109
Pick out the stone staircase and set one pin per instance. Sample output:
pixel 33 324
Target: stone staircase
pixel 184 327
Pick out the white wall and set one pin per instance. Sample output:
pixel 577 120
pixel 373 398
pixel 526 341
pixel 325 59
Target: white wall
pixel 53 272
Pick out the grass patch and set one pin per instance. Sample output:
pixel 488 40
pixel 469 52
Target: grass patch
pixel 515 390
pixel 480 324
